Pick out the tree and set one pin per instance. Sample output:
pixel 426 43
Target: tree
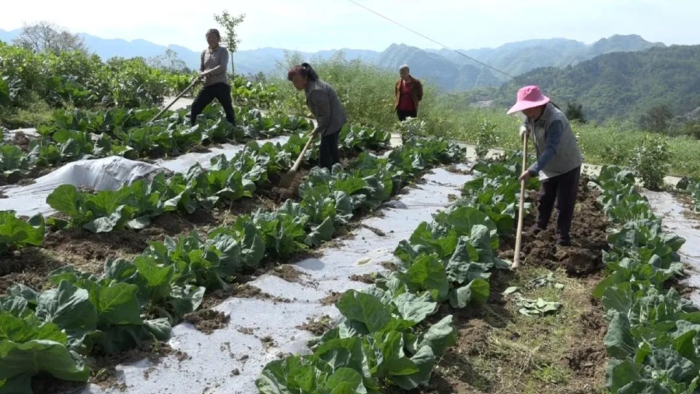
pixel 657 119
pixel 260 77
pixel 230 37
pixel 168 62
pixel 692 128
pixel 47 37
pixel 574 111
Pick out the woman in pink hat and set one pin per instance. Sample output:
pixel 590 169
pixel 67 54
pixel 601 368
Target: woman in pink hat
pixel 558 162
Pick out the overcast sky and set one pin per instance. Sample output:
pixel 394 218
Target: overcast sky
pixel 311 25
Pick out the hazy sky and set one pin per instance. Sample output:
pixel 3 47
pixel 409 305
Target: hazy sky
pixel 310 25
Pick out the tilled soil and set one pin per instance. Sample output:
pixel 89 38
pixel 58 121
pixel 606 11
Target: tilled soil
pixel 88 252
pixel 588 236
pixel 207 320
pixel 500 351
pixel 105 374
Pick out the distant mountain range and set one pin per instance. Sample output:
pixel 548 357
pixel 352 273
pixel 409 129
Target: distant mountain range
pixel 447 69
pixel 622 85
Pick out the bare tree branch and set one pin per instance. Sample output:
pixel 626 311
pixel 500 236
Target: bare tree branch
pixel 47 37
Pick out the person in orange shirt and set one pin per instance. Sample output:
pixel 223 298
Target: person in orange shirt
pixel 409 93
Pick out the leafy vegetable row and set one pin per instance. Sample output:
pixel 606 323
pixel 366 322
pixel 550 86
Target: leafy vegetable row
pixel 692 187
pixel 15 233
pixel 494 192
pixel 653 334
pixel 78 135
pixel 135 301
pixel 134 206
pixel 383 338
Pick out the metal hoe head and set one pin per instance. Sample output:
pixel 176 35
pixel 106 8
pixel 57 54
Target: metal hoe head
pixel 288 179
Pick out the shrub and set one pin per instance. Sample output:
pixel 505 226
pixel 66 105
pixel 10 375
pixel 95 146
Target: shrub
pixel 574 112
pixel 652 161
pixel 486 139
pixel 412 127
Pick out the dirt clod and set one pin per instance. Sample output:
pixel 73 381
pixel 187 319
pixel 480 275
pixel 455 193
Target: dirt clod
pixel 331 299
pixel 375 230
pixel 207 320
pixel 317 326
pixel 288 273
pixel 366 278
pixel 268 342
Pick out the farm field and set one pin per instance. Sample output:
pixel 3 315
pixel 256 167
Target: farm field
pixel 161 258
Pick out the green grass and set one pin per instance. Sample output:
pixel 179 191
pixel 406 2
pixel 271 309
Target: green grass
pixel 367 94
pixel 601 144
pixel 541 344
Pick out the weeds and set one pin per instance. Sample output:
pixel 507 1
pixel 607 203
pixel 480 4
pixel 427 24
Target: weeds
pixel 652 161
pixel 486 139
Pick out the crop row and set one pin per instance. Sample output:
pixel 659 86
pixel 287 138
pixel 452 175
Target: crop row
pixel 384 337
pixel 653 336
pixel 138 300
pixel 692 187
pixel 133 206
pixel 78 135
pixel 76 79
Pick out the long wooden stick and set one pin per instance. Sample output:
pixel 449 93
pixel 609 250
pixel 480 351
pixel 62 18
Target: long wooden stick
pixel 297 163
pixel 288 178
pixel 176 98
pixel 180 95
pixel 521 210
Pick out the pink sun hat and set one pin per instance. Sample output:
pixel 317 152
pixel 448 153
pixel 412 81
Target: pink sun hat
pixel 529 97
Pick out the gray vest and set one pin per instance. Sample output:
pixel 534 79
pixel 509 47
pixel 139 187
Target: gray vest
pixel 568 155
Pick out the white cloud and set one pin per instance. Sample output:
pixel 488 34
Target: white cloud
pixel 326 24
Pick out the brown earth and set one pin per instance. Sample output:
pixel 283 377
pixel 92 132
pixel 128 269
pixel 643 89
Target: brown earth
pixel 588 235
pixel 207 320
pixel 499 350
pixel 104 373
pixel 317 326
pixel 331 299
pixel 288 272
pixel 366 278
pixel 88 252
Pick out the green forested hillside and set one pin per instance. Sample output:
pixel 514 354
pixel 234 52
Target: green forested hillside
pixel 520 57
pixel 621 85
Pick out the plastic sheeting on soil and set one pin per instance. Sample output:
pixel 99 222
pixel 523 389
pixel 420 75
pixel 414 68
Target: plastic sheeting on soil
pixel 101 174
pixel 183 162
pixel 675 221
pixel 108 173
pixel 29 132
pixel 262 330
